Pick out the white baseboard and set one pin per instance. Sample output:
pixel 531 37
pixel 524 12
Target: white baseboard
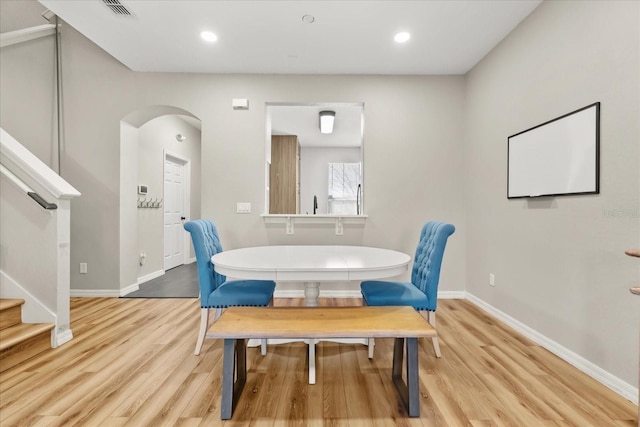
pixel 331 293
pixel 619 386
pixel 108 293
pixel 452 295
pixel 95 293
pixel 142 279
pixel 624 389
pixel 62 337
pixel 150 276
pixel 353 293
pixel 129 289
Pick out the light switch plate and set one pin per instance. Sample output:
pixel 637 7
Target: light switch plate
pixel 243 207
pixel 240 103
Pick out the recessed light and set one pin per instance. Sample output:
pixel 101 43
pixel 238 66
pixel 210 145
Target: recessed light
pixel 402 37
pixel 308 19
pixel 208 36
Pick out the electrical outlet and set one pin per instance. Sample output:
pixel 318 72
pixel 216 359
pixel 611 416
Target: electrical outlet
pixel 492 279
pixel 243 208
pixel 83 268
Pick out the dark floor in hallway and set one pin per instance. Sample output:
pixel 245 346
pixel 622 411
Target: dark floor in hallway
pixel 179 282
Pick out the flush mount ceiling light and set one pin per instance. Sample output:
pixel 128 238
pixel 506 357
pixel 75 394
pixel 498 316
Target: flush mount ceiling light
pixel 180 137
pixel 208 36
pixel 326 121
pixel 402 37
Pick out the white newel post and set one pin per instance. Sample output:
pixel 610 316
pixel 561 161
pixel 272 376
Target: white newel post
pixel 62 215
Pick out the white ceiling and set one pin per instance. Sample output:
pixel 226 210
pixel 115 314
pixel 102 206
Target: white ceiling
pixel 304 121
pixel 269 36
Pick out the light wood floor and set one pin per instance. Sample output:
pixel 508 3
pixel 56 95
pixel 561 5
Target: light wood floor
pixel 131 363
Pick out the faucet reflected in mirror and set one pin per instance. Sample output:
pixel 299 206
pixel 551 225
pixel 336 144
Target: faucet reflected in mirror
pixel 302 164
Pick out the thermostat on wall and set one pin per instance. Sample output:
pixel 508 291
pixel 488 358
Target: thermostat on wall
pixel 142 189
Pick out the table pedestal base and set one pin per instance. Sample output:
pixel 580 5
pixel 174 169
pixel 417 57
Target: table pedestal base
pixel 311 293
pixel 254 342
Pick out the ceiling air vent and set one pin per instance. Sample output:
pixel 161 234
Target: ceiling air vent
pixel 116 7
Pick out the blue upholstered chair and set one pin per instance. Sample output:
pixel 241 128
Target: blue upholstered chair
pixel 422 292
pixel 215 291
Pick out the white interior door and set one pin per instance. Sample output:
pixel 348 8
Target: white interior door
pixel 174 212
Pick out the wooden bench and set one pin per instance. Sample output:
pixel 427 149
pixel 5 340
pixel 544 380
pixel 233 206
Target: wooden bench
pixel 237 324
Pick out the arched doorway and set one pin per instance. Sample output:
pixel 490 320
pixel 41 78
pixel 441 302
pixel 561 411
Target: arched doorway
pixel 159 189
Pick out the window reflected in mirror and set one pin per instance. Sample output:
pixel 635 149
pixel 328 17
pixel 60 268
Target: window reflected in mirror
pixel 344 188
pixel 309 172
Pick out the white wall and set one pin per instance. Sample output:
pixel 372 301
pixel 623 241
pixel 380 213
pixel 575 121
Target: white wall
pixel 156 137
pixel 314 173
pixel 406 118
pixel 27 73
pixel 435 149
pixel 24 225
pixel 425 122
pixel 98 93
pixel 128 213
pixel 558 262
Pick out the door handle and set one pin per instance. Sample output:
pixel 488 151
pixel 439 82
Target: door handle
pixel 182 218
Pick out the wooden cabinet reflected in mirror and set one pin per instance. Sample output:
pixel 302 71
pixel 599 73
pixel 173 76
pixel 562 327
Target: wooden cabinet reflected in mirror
pixel 302 162
pixel 284 175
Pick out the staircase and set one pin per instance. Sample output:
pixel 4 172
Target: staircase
pixel 20 341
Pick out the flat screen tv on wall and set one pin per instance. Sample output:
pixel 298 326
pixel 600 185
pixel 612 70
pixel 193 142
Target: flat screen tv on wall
pixel 556 158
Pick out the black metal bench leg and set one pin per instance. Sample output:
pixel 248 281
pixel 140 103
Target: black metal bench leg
pixel 413 377
pixel 409 392
pixel 234 367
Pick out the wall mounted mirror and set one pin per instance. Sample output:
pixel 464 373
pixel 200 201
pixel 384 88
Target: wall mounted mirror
pixel 309 172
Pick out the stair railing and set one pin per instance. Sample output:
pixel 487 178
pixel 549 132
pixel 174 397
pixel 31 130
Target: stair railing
pixel 29 236
pixel 26 189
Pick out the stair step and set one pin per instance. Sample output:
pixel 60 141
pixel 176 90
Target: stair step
pixel 10 312
pixel 21 342
pixel 6 303
pixel 16 334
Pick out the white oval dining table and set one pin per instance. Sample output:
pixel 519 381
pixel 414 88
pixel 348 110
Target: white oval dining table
pixel 313 265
